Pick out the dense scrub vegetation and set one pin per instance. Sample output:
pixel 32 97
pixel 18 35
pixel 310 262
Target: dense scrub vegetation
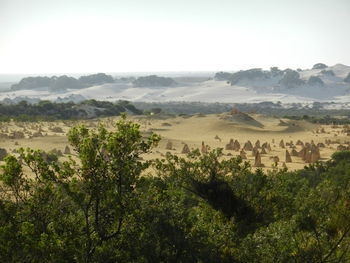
pixel 46 110
pixel 319 66
pixel 315 81
pixel 154 81
pixel 295 110
pixel 195 209
pixel 62 83
pixel 321 120
pixel 287 78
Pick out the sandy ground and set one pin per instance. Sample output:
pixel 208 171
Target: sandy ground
pixel 193 130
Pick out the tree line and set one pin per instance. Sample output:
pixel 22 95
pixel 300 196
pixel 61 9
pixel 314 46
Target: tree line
pixel 63 82
pixel 46 110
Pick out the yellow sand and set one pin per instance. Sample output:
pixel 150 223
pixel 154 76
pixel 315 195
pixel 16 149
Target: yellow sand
pixel 193 130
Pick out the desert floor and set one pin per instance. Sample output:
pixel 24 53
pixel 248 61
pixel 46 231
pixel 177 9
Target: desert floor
pixel 215 130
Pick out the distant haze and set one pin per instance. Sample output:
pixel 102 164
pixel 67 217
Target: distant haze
pixel 46 36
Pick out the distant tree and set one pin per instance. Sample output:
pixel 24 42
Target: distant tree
pixel 250 74
pixel 222 75
pixel 154 81
pixel 291 79
pixel 315 81
pixel 275 71
pixel 319 66
pixel 328 72
pixel 63 83
pixel 32 83
pixel 50 110
pixel 96 79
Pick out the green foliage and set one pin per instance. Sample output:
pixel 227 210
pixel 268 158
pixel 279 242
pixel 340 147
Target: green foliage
pixel 110 205
pixel 153 81
pixel 319 66
pixel 321 120
pixel 62 82
pixel 49 111
pixel 291 79
pixel 95 79
pixel 317 112
pixel 69 210
pixel 341 156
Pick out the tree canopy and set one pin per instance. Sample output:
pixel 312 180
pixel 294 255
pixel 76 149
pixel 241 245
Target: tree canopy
pixel 62 83
pixel 106 203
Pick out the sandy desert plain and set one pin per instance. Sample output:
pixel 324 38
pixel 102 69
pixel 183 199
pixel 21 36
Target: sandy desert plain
pixel 270 136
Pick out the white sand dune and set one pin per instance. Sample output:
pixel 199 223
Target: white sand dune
pixel 207 91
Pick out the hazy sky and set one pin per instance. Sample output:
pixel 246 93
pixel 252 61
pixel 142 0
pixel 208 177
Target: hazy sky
pixel 46 36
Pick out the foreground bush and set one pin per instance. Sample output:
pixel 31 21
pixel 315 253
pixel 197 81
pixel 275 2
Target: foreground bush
pixel 201 208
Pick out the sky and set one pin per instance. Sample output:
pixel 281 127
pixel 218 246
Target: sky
pixel 70 36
